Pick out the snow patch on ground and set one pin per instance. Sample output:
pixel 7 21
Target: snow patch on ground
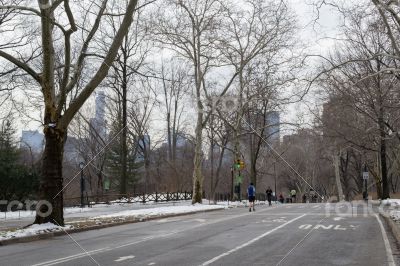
pixel 392 207
pixel 34 229
pixel 110 213
pixel 391 202
pixel 160 211
pixel 98 209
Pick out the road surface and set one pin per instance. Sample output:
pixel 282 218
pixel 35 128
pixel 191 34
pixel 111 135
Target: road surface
pixel 291 234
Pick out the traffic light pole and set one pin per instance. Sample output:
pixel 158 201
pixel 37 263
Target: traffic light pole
pixel 240 191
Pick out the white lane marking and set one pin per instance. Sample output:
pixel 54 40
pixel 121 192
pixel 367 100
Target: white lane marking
pixel 338 218
pixel 73 257
pixel 279 220
pixel 354 227
pixel 389 253
pixel 305 226
pixel 125 258
pixel 80 255
pixel 337 227
pixel 250 242
pixel 326 227
pixel 152 263
pixel 314 207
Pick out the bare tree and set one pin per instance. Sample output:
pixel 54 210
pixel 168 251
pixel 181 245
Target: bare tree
pixel 128 64
pixel 58 114
pixel 193 34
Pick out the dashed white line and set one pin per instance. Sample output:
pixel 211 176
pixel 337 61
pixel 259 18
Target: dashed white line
pixel 125 258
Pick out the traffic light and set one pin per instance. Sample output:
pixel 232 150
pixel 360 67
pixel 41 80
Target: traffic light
pixel 241 165
pixel 237 164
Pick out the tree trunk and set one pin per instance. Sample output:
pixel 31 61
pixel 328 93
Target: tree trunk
pixel 51 184
pixel 198 159
pixel 124 164
pixel 253 161
pixel 337 176
pixel 385 183
pixel 218 172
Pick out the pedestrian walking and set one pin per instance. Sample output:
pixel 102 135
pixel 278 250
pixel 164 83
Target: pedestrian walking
pixel 269 195
pixel 281 198
pixel 251 193
pixel 293 195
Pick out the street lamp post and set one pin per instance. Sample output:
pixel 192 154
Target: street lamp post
pixel 365 180
pixel 81 166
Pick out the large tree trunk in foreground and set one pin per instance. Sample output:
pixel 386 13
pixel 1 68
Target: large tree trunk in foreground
pixel 51 184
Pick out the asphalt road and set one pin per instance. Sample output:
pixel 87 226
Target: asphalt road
pixel 295 234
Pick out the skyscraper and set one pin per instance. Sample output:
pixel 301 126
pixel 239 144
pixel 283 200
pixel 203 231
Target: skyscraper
pixel 272 132
pixel 98 122
pixel 32 139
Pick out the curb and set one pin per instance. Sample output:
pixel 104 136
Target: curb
pixel 130 220
pixel 394 227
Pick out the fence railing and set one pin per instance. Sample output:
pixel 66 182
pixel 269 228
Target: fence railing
pixel 129 198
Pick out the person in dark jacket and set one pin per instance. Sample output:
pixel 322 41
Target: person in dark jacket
pixel 281 198
pixel 269 195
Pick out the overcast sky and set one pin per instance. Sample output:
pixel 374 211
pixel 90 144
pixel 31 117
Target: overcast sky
pixel 316 33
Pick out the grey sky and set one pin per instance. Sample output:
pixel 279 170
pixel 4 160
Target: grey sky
pixel 314 33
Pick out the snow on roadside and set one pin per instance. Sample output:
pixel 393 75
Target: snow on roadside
pixel 391 202
pixel 121 215
pixel 72 212
pixel 159 211
pixel 35 229
pixel 393 208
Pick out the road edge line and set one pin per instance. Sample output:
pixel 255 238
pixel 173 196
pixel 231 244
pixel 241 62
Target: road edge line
pixel 388 248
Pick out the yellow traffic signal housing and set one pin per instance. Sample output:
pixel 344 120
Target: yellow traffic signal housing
pixel 241 165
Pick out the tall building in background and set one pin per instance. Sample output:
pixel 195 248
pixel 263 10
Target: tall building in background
pixel 272 132
pixel 98 123
pixel 100 106
pixel 33 140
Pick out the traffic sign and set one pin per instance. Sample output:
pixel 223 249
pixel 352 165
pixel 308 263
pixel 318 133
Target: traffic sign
pixel 365 175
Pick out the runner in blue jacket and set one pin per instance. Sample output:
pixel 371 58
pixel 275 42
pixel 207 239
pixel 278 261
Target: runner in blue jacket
pixel 251 192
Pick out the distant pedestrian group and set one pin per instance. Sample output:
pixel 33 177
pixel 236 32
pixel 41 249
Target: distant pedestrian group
pixel 251 193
